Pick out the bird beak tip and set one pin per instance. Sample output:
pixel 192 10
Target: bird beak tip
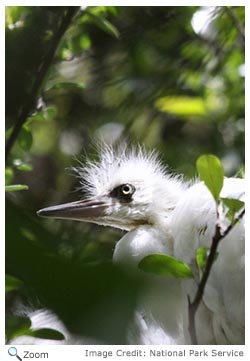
pixel 41 213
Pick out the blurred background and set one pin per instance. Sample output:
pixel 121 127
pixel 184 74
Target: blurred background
pixel 171 78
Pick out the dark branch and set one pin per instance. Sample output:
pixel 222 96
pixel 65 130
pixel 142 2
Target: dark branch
pixel 193 306
pixel 31 99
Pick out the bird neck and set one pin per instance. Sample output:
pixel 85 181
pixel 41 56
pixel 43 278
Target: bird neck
pixel 141 242
pixel 168 195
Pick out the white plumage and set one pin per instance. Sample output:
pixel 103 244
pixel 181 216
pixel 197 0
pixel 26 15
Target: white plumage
pixel 133 191
pixel 220 318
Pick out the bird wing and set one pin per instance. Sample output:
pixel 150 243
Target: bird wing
pixel 220 318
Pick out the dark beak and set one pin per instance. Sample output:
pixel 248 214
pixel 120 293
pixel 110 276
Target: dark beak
pixel 89 210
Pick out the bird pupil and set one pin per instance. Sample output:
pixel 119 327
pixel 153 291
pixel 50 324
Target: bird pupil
pixel 126 189
pixel 123 192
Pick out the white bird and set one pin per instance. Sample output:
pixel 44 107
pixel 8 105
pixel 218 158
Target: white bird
pixel 130 189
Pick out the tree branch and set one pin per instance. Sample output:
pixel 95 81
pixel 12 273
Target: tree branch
pixel 31 98
pixel 237 24
pixel 193 306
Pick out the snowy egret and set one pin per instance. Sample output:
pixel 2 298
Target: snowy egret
pixel 130 189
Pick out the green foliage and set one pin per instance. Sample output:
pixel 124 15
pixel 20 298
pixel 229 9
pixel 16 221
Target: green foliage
pixel 46 114
pixel 183 106
pixel 12 283
pixel 161 89
pixel 105 25
pixel 17 326
pixel 25 138
pixel 201 257
pixel 233 206
pixel 66 86
pixel 20 165
pixel 211 172
pixel 160 264
pixel 45 333
pixel 16 187
pixel 8 175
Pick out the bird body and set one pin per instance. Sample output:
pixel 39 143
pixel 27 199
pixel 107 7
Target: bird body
pixel 158 319
pixel 133 191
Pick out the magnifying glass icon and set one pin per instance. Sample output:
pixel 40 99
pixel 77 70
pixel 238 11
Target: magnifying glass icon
pixel 12 351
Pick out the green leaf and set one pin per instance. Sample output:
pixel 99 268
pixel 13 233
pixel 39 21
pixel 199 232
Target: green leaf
pixel 211 172
pixel 181 105
pixel 46 333
pixel 65 54
pixel 67 86
pixel 42 115
pixel 161 264
pixel 20 165
pixel 25 139
pixel 16 187
pixel 8 175
pixel 233 206
pixel 17 326
pixel 12 283
pixel 106 25
pixel 103 24
pixel 201 257
pixel 84 42
pixel 37 116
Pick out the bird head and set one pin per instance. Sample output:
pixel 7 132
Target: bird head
pixel 125 188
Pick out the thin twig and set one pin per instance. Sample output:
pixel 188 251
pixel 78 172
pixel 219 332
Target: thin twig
pixel 193 306
pixel 31 98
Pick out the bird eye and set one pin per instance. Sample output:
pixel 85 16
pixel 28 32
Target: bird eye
pixel 123 192
pixel 127 189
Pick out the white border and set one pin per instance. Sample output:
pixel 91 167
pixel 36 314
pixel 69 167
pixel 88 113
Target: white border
pixel 126 3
